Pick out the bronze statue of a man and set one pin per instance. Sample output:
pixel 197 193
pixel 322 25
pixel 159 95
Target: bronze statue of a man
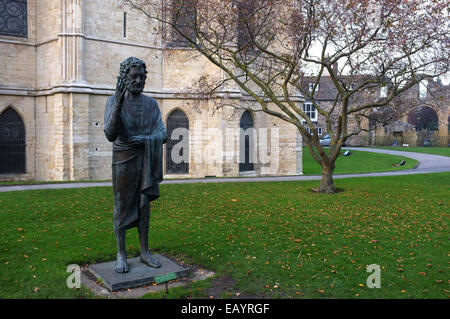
pixel 133 123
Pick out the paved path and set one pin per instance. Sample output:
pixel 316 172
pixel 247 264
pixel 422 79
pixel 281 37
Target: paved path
pixel 427 164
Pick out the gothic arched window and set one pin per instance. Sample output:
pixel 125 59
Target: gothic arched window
pixel 13 18
pixel 12 143
pixel 245 24
pixel 184 16
pixel 177 146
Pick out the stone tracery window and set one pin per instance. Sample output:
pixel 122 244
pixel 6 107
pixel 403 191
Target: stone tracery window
pixel 13 18
pixel 184 15
pixel 245 24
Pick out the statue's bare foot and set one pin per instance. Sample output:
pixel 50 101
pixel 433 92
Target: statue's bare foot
pixel 146 258
pixel 121 265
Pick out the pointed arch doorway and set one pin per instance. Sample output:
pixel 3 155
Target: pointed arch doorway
pixel 246 143
pixel 177 146
pixel 12 143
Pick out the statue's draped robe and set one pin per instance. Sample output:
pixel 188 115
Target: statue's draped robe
pixel 136 167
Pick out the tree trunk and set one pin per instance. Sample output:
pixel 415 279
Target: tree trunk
pixel 327 185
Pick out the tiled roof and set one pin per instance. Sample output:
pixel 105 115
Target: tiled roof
pixel 327 90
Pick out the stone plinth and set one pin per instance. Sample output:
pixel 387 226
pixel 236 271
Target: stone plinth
pixel 139 274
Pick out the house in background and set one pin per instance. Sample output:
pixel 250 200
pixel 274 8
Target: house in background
pixel 426 116
pixel 325 96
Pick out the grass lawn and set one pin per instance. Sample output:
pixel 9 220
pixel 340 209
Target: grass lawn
pixel 291 244
pixel 358 162
pixel 445 151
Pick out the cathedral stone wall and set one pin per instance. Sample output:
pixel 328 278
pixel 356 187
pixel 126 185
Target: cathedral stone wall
pixel 48 66
pixel 18 64
pixel 50 137
pixel 59 77
pixel 99 148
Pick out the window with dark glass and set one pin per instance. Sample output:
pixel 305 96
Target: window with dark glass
pixel 12 142
pixel 310 111
pixel 13 18
pixel 124 24
pixel 318 130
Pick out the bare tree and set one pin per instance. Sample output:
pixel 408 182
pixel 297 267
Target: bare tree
pixel 266 47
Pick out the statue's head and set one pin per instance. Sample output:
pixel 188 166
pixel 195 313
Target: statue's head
pixel 134 72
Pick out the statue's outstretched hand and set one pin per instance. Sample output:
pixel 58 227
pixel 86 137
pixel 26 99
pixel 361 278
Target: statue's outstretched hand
pixel 120 91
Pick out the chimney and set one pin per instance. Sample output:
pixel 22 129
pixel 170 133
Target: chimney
pixel 334 67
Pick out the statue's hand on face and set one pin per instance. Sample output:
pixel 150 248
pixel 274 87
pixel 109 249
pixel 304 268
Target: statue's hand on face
pixel 120 91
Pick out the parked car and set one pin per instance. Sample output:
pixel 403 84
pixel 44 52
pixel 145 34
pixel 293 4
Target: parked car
pixel 325 140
